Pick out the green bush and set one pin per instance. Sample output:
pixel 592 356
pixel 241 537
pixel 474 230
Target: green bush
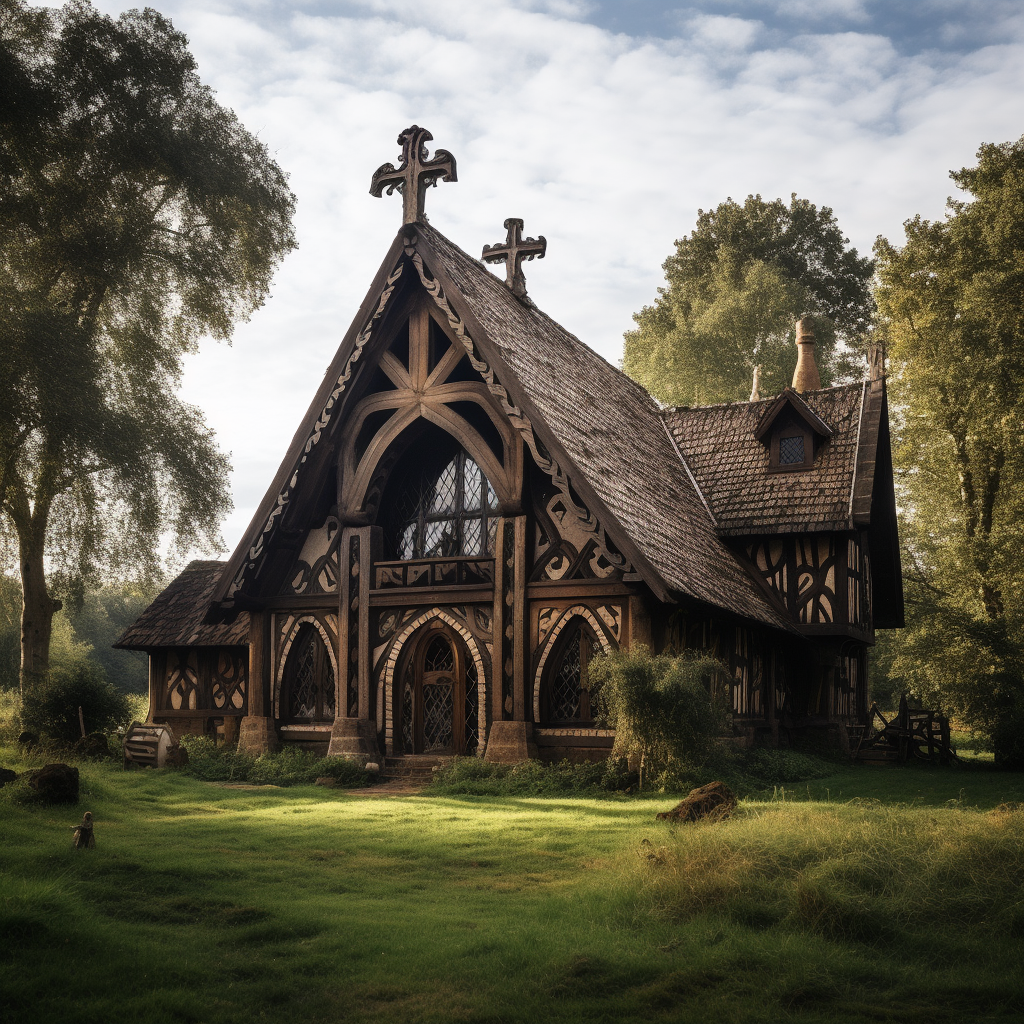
pixel 476 777
pixel 666 711
pixel 52 706
pixel 291 766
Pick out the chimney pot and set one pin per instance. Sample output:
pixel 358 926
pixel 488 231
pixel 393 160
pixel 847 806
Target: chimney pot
pixel 805 376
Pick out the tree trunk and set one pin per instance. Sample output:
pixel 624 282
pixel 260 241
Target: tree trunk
pixel 37 611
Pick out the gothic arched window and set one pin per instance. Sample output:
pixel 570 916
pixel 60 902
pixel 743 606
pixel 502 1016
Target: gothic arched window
pixel 566 696
pixel 308 679
pixel 444 512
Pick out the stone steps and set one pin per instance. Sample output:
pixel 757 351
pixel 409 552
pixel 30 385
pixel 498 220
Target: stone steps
pixel 412 767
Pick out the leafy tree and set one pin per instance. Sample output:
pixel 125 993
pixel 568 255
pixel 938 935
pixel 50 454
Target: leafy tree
pixel 103 616
pixel 666 711
pixel 736 287
pixel 952 304
pixel 136 216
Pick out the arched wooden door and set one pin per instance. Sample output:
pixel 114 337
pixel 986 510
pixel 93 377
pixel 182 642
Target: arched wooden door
pixel 437 705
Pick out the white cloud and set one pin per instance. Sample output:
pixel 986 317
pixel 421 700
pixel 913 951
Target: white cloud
pixel 605 143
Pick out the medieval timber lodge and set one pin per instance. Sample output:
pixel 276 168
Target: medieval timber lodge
pixel 476 505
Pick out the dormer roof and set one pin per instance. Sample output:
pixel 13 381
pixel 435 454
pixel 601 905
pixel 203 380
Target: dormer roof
pixel 790 399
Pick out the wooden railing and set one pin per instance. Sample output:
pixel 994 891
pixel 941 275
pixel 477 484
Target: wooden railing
pixel 433 572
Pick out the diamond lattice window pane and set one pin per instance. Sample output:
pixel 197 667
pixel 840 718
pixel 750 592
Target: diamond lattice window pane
pixel 407 717
pixel 791 451
pixel 407 543
pixel 565 684
pixel 439 539
pixel 472 489
pixel 472 707
pixel 437 716
pixel 472 537
pixel 303 695
pixel 445 489
pixel 492 534
pixel 492 498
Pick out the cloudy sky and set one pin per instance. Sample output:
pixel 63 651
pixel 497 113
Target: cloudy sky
pixel 605 124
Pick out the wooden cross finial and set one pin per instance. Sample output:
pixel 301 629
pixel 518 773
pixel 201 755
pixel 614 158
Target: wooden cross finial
pixel 513 252
pixel 416 173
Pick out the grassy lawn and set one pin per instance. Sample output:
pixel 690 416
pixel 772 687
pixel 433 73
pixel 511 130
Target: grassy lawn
pixel 879 894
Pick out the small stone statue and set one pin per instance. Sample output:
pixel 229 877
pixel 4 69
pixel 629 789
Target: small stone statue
pixel 83 838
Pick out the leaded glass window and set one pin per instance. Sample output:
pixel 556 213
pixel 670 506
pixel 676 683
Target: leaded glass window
pixel 568 697
pixel 791 450
pixel 309 679
pixel 446 513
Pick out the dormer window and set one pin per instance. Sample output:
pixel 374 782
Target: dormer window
pixel 791 450
pixel 792 432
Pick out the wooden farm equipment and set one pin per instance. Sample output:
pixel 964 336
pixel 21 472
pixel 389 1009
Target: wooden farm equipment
pixel 149 746
pixel 920 734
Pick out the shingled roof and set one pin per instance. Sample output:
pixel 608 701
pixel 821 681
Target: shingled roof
pixel 730 464
pixel 610 430
pixel 175 618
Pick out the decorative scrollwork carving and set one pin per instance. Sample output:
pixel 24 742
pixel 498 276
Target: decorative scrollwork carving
pixel 258 549
pixel 586 519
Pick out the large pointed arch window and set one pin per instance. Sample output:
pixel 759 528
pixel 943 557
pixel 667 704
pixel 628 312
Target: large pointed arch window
pixel 445 510
pixel 566 696
pixel 308 679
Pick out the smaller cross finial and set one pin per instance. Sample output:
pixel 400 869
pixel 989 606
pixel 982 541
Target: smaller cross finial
pixel 416 173
pixel 513 252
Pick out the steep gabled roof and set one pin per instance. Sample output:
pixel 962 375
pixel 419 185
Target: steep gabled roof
pixel 607 432
pixel 175 618
pixel 604 430
pixel 720 444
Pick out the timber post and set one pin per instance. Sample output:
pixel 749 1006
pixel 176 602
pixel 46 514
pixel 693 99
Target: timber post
pixel 511 736
pixel 256 733
pixel 354 733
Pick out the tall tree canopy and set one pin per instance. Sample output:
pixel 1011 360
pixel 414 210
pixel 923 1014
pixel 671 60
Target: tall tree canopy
pixel 952 302
pixel 136 216
pixel 736 286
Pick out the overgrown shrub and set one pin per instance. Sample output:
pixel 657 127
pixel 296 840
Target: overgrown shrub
pixel 291 766
pixel 476 777
pixel 52 706
pixel 666 711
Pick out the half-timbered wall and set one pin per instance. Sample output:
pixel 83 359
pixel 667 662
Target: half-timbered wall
pixel 821 579
pixel 196 689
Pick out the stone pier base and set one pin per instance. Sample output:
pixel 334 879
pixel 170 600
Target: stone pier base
pixel 355 738
pixel 510 742
pixel 257 735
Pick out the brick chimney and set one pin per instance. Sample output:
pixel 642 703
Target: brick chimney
pixel 805 376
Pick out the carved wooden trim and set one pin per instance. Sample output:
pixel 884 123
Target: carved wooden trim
pixel 257 551
pixel 520 421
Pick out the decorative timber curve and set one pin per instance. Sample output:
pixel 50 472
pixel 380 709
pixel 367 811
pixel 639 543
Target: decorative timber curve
pixel 416 173
pixel 433 572
pixel 423 392
pixel 586 519
pixel 515 250
pixel 258 549
pixel 576 611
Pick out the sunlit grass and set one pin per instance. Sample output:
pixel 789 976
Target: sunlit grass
pixel 212 904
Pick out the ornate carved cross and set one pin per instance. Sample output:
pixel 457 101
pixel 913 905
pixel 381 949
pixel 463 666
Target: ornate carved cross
pixel 416 173
pixel 513 252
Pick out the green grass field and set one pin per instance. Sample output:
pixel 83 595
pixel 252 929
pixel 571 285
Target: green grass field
pixel 879 894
